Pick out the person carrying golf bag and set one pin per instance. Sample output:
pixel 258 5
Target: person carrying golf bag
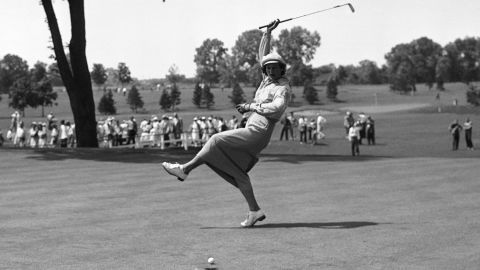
pixel 233 153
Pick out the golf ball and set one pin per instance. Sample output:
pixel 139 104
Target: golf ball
pixel 211 260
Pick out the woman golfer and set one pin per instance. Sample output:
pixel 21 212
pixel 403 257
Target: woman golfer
pixel 232 153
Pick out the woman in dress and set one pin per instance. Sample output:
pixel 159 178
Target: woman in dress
pixel 232 153
pixel 467 126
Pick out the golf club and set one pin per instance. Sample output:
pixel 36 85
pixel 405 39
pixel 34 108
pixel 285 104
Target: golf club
pixel 318 11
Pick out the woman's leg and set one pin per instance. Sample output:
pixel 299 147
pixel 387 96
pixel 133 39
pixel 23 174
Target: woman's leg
pixel 246 189
pixel 192 164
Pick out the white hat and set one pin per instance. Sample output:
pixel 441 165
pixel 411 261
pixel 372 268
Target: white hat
pixel 272 58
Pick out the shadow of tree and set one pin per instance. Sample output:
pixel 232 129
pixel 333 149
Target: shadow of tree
pixel 156 155
pixel 297 158
pixel 314 225
pixel 126 155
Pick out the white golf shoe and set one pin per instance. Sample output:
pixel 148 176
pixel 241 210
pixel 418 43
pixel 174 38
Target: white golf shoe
pixel 252 218
pixel 175 169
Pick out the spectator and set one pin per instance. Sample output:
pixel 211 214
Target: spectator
pixel 222 125
pixel 165 129
pixel 195 132
pixel 63 134
pixel 348 122
pixel 132 130
pixel 145 127
pixel 362 118
pixel 14 126
pixel 117 133
pixel 107 133
pixel 54 136
pixel 211 129
pixel 20 135
pixel 354 137
pixel 42 135
pixel 302 128
pixel 321 122
pixel 177 127
pixel 370 130
pixel 233 123
pixel 312 128
pixel 155 132
pixel 33 135
pixel 50 120
pixel 455 129
pixel 293 125
pixel 203 129
pixel 124 130
pixel 286 127
pixel 468 133
pixel 71 135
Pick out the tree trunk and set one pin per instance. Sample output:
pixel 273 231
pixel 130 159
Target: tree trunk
pixel 76 77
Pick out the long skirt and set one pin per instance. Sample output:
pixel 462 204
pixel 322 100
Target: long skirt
pixel 232 153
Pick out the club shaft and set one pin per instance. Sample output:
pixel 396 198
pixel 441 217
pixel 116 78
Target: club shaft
pixel 311 13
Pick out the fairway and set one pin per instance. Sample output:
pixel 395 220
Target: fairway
pixel 408 202
pixel 112 209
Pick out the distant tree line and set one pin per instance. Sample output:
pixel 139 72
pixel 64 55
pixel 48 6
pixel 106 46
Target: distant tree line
pixel 407 64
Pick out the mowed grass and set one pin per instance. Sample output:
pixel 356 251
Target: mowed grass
pixel 408 202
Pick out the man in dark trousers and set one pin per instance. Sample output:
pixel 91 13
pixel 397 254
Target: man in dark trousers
pixel 287 125
pixel 455 129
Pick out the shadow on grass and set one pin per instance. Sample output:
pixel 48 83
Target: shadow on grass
pixel 298 158
pixel 156 155
pixel 126 155
pixel 314 225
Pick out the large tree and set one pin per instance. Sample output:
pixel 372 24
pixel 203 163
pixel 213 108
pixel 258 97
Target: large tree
pixel 245 56
pixel 12 68
pixel 41 87
pixel 76 76
pixel 54 75
pixel 20 94
pixel 298 44
pixel 230 72
pixel 465 59
pixel 425 53
pixel 401 68
pixel 369 73
pixel 208 58
pixel 99 74
pixel 298 47
pixel 32 90
pixel 124 74
pixel 442 70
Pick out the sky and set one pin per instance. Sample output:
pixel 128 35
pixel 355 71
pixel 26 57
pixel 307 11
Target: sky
pixel 151 35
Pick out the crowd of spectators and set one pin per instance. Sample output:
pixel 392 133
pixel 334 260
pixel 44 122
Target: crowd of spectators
pixel 50 133
pixel 358 129
pixel 309 130
pixel 166 130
